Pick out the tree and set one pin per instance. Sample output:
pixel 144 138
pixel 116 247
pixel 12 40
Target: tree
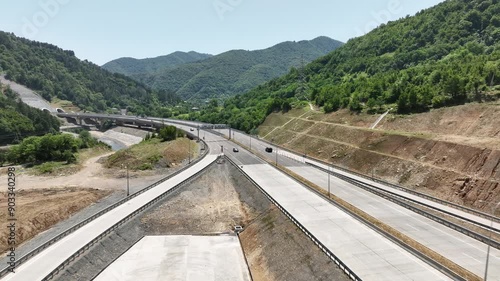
pixel 168 133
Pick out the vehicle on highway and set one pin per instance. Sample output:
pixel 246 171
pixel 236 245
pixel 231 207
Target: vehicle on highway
pixel 269 149
pixel 235 149
pixel 191 129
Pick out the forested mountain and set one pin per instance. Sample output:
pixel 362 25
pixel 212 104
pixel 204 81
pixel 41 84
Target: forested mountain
pixel 237 71
pixel 137 68
pixel 54 72
pixel 442 56
pixel 18 120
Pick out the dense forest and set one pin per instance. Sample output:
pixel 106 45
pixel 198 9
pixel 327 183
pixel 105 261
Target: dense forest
pixel 54 72
pixel 236 71
pixel 442 56
pixel 137 68
pixel 18 120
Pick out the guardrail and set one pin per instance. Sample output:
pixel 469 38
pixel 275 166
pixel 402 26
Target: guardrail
pixel 120 223
pixel 395 186
pixel 323 248
pixel 72 229
pixel 390 196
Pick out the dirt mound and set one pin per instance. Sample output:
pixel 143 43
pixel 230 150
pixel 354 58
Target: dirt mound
pixel 38 210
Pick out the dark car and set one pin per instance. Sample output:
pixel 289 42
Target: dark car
pixel 269 149
pixel 235 149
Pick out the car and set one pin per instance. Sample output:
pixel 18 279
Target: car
pixel 191 129
pixel 269 149
pixel 235 149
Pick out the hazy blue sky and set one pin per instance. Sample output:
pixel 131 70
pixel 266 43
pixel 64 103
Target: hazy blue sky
pixel 104 30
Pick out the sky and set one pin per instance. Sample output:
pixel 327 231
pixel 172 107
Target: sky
pixel 103 30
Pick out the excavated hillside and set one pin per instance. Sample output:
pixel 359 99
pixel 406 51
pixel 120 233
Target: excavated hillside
pixel 451 153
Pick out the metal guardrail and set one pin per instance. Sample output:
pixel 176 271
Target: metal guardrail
pixel 120 223
pixel 323 248
pixel 422 195
pixel 391 197
pixel 72 229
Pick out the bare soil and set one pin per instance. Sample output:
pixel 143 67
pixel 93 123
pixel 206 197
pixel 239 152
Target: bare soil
pixel 451 153
pixel 37 210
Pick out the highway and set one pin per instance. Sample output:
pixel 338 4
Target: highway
pixel 459 248
pixel 370 255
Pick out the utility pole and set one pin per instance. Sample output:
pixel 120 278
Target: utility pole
pixel 328 181
pixel 493 211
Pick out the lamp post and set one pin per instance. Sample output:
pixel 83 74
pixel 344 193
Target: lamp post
pixel 328 181
pixel 189 151
pixel 128 189
pixel 250 142
pixel 276 146
pixel 493 211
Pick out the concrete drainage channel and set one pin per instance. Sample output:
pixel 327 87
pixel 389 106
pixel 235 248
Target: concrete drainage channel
pixel 72 229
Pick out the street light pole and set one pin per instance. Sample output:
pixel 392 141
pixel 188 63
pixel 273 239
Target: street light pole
pixel 189 153
pixel 493 211
pixel 328 181
pixel 250 142
pixel 128 190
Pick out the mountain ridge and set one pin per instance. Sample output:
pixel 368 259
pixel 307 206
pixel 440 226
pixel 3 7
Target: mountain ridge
pixel 130 66
pixel 236 71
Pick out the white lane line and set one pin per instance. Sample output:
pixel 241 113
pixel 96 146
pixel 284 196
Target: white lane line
pixel 416 229
pixel 472 257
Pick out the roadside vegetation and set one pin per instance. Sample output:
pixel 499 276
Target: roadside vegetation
pixel 165 148
pixel 53 151
pixel 153 154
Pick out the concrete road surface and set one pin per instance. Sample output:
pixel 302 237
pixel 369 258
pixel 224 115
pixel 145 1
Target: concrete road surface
pixel 181 258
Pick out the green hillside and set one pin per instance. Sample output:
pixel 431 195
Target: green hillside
pixel 54 72
pixel 237 71
pixel 137 68
pixel 18 120
pixel 443 56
